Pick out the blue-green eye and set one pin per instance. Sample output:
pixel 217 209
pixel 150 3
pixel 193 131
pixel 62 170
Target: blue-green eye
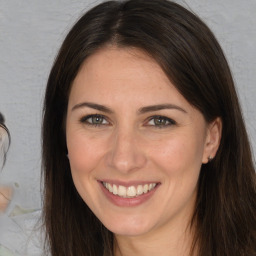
pixel 160 121
pixel 95 120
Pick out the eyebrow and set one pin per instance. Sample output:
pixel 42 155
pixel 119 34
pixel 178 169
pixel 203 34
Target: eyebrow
pixel 94 106
pixel 160 107
pixel 142 110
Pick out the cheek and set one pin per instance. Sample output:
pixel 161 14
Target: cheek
pixel 84 158
pixel 179 160
pixel 179 154
pixel 84 151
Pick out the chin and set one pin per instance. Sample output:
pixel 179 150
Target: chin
pixel 128 226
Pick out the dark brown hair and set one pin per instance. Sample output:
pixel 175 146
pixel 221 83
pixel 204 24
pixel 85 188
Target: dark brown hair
pixel 187 51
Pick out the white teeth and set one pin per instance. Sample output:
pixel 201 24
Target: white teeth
pixel 139 190
pixel 122 191
pixel 115 189
pixel 110 188
pixel 129 192
pixel 145 188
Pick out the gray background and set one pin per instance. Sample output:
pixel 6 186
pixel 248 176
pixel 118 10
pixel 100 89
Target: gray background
pixel 31 32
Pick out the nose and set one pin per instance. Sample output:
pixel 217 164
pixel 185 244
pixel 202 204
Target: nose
pixel 126 152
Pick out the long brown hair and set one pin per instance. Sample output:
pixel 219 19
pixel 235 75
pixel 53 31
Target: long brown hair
pixel 189 54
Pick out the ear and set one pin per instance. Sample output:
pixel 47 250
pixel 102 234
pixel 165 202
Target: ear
pixel 212 141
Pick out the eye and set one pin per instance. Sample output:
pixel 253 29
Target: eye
pixel 95 120
pixel 160 121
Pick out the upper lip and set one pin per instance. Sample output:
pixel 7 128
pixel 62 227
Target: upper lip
pixel 127 183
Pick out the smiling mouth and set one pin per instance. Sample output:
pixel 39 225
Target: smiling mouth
pixel 131 191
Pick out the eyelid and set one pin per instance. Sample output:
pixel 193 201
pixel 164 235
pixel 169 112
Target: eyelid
pixel 105 121
pixel 169 120
pixel 85 119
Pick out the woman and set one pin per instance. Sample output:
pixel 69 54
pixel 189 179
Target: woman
pixel 144 147
pixel 5 191
pixel 4 141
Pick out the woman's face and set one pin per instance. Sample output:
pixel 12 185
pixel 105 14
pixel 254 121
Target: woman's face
pixel 135 144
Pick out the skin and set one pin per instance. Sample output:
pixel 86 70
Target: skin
pixel 129 146
pixel 5 197
pixel 5 191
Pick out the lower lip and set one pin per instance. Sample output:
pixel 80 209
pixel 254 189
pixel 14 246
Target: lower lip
pixel 127 202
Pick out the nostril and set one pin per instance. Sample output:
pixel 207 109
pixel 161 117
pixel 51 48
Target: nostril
pixel 125 153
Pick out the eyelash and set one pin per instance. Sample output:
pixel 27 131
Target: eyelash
pixel 86 119
pixel 159 121
pixel 167 121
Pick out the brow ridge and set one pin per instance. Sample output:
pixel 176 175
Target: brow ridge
pixel 94 106
pixel 153 108
pixel 142 110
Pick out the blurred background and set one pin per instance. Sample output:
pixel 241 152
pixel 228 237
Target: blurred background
pixel 31 32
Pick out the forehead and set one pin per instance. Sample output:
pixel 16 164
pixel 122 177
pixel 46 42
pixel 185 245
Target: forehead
pixel 121 64
pixel 126 71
